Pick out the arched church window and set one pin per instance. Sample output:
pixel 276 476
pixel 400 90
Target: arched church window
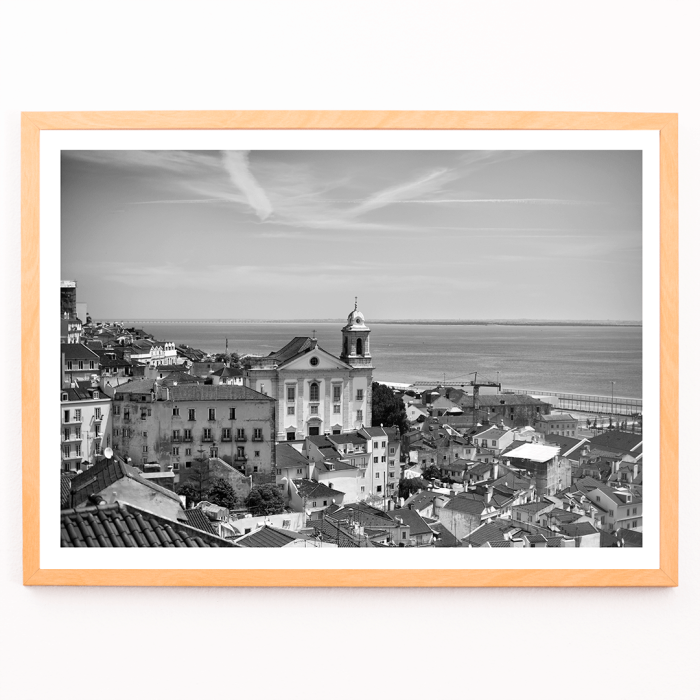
pixel 359 346
pixel 313 391
pixel 345 345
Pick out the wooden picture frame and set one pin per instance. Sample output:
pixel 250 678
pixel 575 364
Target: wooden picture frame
pixel 33 123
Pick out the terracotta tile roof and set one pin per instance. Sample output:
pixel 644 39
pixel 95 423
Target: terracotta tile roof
pixel 499 544
pixel 495 400
pixel 120 525
pixel 554 417
pixel 485 533
pixel 534 507
pixel 619 440
pixel 84 391
pixel 105 473
pixel 287 457
pixel 66 478
pixel 444 538
pixel 578 529
pixel 78 351
pixel 197 518
pixel 222 392
pixel 313 489
pixel 136 386
pixel 268 536
pixel 417 526
pixel 567 444
pixel 464 504
pixel 422 499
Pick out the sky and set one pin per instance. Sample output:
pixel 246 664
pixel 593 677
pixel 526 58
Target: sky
pixel 551 235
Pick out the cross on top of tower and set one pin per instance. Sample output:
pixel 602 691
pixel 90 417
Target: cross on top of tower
pixel 355 303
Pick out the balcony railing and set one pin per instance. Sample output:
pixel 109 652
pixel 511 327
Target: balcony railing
pixel 187 439
pixel 257 438
pixel 241 438
pixel 225 438
pixel 207 438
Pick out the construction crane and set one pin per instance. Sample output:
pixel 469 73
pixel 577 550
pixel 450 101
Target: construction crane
pixel 475 394
pixel 474 383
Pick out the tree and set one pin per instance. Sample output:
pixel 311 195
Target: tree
pixel 196 478
pixel 432 472
pixel 407 487
pixel 191 492
pixel 388 408
pixel 264 500
pixel 222 494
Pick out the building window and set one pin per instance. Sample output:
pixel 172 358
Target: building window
pixel 257 434
pixel 376 460
pixel 212 414
pixel 360 395
pixel 145 434
pixel 188 435
pixel 336 392
pixel 359 415
pixel 383 459
pixel 80 364
pixel 176 467
pixel 240 435
pixel 78 414
pixel 176 436
pixel 313 409
pixel 117 409
pixel 232 414
pixel 240 452
pixel 403 535
pixel 256 453
pixel 144 449
pixel 376 475
pixel 313 361
pixel 226 434
pixel 291 393
pixel 291 435
pixel 313 504
pixel 69 364
pixel 98 414
pixel 383 443
pixel 206 434
pixel 192 414
pixel 188 452
pixel 66 451
pixel 376 445
pixel 391 475
pixel 362 489
pixel 336 408
pixel 176 410
pixel 313 391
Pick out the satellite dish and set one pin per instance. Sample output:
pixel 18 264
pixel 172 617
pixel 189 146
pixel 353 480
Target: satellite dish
pixel 108 452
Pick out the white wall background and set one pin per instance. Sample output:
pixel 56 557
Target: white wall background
pixel 631 56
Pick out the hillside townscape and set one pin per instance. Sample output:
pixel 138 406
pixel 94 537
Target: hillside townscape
pixel 164 445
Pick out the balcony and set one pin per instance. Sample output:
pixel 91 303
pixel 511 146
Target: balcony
pixel 187 438
pixel 71 438
pixel 240 461
pixel 241 438
pixel 225 438
pixel 207 438
pixel 177 438
pixel 257 438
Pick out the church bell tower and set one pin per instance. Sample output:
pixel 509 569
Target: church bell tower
pixel 355 350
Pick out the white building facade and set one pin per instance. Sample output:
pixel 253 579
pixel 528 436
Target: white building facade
pixel 315 391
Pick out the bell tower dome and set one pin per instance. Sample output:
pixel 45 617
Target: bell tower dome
pixel 355 350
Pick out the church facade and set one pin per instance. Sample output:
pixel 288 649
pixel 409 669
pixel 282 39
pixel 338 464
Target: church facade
pixel 315 391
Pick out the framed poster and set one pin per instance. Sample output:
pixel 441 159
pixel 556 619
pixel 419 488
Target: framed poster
pixel 350 346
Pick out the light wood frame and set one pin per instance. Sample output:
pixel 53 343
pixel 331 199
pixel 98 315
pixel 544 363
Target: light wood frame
pixel 667 126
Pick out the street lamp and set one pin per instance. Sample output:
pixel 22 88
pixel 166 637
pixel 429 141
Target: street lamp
pixel 612 398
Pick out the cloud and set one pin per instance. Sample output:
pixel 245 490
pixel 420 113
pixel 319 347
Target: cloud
pixel 238 168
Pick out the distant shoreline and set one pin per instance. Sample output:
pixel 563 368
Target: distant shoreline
pixel 408 322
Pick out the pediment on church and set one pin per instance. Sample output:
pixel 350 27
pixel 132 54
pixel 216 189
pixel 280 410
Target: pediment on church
pixel 316 359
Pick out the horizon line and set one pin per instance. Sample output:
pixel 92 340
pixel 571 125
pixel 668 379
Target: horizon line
pixel 626 322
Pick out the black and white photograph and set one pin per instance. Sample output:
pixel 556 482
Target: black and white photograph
pixel 351 348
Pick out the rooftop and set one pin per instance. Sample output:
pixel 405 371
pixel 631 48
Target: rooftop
pixel 533 452
pixel 268 536
pixel 120 525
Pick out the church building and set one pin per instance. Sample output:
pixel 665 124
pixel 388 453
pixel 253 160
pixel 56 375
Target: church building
pixel 317 392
